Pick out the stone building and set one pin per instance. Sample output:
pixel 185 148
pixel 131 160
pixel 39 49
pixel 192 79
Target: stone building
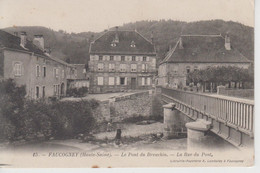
pixel 81 77
pixel 193 52
pixel 29 64
pixel 120 61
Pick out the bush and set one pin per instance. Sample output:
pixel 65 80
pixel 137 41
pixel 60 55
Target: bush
pixel 77 92
pixel 28 119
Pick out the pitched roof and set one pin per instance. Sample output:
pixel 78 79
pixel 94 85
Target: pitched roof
pixel 13 42
pixel 102 45
pixel 10 41
pixel 204 48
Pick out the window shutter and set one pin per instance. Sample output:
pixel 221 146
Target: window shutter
pixel 125 80
pixel 22 69
pixel 143 80
pixel 140 58
pixel 117 80
pixel 147 58
pixel 148 81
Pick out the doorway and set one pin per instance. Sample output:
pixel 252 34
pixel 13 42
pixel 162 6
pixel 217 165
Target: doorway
pixel 133 83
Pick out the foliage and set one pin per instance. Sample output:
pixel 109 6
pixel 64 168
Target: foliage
pixel 74 47
pixel 77 92
pixel 220 75
pixel 27 119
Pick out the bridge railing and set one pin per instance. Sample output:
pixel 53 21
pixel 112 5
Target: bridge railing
pixel 234 111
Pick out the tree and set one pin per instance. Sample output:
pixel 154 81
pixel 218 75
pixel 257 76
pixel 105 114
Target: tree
pixel 215 76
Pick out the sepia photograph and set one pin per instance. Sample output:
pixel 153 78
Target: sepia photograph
pixel 127 83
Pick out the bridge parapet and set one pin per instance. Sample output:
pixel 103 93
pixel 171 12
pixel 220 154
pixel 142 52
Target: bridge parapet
pixel 234 113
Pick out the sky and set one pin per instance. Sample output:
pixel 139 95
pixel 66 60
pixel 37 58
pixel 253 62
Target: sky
pixel 98 15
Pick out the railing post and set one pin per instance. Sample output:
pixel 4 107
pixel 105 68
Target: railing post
pixel 172 121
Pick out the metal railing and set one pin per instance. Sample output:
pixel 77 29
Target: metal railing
pixel 238 113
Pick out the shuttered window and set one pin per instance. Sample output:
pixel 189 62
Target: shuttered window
pixel 111 81
pixel 100 80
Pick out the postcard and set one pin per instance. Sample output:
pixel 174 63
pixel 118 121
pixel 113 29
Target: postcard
pixel 140 83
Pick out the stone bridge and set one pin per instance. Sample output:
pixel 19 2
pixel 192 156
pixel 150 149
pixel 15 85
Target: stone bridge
pixel 230 118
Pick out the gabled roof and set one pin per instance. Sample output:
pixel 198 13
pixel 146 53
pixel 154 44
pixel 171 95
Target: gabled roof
pixel 102 45
pixel 204 48
pixel 10 41
pixel 13 42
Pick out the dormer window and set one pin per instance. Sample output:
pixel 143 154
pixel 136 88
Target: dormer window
pixel 132 44
pixel 113 44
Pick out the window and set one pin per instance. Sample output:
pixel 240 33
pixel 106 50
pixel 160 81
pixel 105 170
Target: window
pixel 146 81
pixel 100 80
pixel 122 58
pixel 62 74
pixel 37 70
pixel 100 67
pixel 122 81
pixel 117 81
pixel 133 58
pixel 43 91
pixel 100 58
pixel 132 44
pixel 37 92
pixel 44 71
pixel 144 68
pixel 133 67
pixel 111 67
pixel 122 67
pixel 113 44
pixel 18 69
pixel 143 81
pixel 188 69
pixel 144 58
pixel 55 90
pixel 56 72
pixel 111 58
pixel 111 81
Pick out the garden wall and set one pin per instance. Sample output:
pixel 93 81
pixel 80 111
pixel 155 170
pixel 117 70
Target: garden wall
pixel 119 108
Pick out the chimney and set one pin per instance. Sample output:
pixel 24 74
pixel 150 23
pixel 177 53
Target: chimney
pixel 23 39
pixel 16 34
pixel 38 40
pixel 180 43
pixel 116 36
pixel 227 42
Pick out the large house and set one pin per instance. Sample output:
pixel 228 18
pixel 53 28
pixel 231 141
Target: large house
pixel 120 61
pixel 193 52
pixel 29 64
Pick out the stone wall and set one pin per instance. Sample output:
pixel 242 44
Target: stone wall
pixel 119 108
